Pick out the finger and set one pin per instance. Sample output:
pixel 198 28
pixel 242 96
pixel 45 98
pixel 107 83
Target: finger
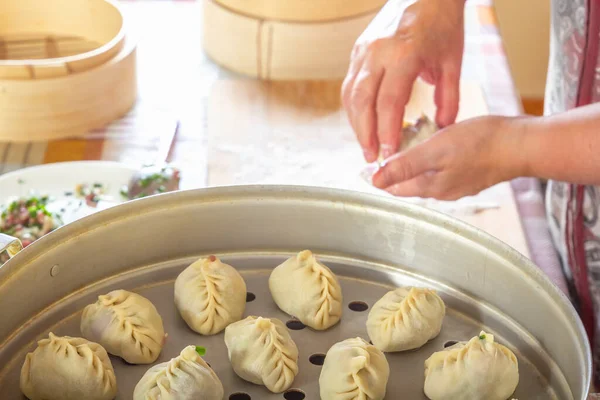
pixel 362 106
pixel 447 96
pixel 347 86
pixel 421 186
pixel 394 93
pixel 408 165
pixel 437 185
pixel 357 60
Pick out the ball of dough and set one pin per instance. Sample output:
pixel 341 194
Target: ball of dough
pixel 354 369
pixel 210 295
pixel 478 369
pixel 405 319
pixel 68 368
pixel 307 290
pixel 262 351
pixel 126 324
pixel 186 377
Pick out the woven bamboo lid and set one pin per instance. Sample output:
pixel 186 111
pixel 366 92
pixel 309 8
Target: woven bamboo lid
pixel 51 38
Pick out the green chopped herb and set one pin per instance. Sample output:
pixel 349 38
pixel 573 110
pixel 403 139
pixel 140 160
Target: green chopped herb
pixel 146 181
pixel 124 192
pixel 200 350
pixel 98 185
pixel 161 189
pixel 32 211
pixel 58 218
pixel 481 337
pixel 20 181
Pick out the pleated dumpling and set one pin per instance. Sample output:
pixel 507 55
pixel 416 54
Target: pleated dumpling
pixel 405 319
pixel 308 290
pixel 354 369
pixel 186 377
pixel 477 369
pixel 68 368
pixel 126 324
pixel 262 351
pixel 210 295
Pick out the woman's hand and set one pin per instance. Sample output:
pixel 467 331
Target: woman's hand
pixel 458 161
pixel 428 41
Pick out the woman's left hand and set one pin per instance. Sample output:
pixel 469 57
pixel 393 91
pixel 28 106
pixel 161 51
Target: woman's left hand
pixel 460 160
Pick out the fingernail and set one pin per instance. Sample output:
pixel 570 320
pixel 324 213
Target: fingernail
pixel 376 180
pixel 368 172
pixel 369 155
pixel 387 151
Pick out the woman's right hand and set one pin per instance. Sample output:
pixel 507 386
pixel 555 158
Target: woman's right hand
pixel 427 41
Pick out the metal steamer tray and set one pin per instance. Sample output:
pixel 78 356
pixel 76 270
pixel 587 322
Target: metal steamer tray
pixel 372 243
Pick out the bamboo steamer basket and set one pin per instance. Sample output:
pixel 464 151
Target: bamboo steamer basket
pixel 303 10
pixel 50 38
pixel 280 50
pixel 66 67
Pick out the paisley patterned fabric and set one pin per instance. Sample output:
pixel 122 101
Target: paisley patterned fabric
pixel 567 47
pixel 574 80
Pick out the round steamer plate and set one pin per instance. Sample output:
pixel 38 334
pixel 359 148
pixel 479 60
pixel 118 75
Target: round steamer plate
pixel 303 10
pixel 51 38
pixel 57 178
pixel 372 243
pixel 278 50
pixel 72 105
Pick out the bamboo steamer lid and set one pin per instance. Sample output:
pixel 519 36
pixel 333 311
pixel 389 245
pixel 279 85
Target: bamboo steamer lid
pixel 303 10
pixel 279 50
pixel 50 38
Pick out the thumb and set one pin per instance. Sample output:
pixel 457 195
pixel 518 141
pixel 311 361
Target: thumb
pixel 447 95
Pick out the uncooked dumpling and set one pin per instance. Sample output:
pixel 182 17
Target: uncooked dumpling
pixel 186 377
pixel 68 368
pixel 354 370
pixel 405 319
pixel 478 369
pixel 307 290
pixel 262 351
pixel 417 133
pixel 210 295
pixel 126 325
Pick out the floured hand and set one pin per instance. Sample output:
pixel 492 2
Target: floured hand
pixel 460 160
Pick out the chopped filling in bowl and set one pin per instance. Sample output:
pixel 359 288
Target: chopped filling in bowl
pixel 92 194
pixel 27 219
pixel 151 180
